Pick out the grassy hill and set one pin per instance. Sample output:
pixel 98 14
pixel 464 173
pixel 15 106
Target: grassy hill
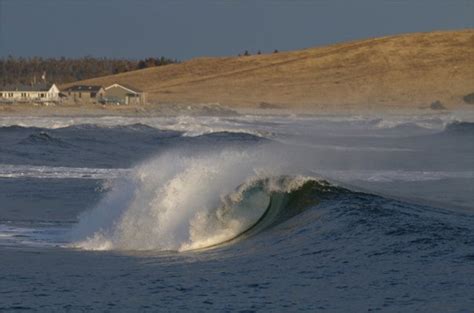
pixel 404 71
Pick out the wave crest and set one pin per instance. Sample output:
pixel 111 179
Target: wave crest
pixel 180 202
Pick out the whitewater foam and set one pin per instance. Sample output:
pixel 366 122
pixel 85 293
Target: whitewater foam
pixel 392 175
pixel 49 235
pixel 188 125
pixel 263 126
pixel 31 171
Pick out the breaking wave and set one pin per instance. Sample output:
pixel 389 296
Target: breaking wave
pixel 181 202
pixel 186 125
pixel 460 128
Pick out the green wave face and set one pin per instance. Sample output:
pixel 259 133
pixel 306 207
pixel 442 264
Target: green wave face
pixel 279 206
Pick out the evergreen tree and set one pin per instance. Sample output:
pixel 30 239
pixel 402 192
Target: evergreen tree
pixel 64 70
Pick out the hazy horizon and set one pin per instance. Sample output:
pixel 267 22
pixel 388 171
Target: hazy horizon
pixel 186 29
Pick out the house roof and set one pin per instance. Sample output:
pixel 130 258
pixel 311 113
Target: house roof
pixel 126 87
pixel 26 88
pixel 91 88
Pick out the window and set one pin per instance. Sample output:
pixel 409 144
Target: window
pixel 10 95
pixel 1 94
pixel 23 94
pixel 80 95
pixel 41 95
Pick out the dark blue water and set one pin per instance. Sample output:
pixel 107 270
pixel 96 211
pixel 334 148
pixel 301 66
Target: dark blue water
pixel 293 215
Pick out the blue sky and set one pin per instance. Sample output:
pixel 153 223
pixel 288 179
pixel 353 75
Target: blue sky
pixel 189 28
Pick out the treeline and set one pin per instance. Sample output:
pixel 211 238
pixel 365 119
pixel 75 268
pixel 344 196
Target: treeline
pixel 64 70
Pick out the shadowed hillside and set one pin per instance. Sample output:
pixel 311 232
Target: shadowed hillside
pixel 404 71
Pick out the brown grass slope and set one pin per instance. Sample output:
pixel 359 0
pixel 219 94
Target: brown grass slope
pixel 405 71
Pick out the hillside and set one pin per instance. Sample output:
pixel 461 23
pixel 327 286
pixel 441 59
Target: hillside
pixel 404 71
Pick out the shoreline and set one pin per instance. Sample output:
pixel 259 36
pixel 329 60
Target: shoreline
pixel 213 109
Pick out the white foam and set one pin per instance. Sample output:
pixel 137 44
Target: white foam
pixel 263 126
pixel 30 171
pixel 47 235
pixel 393 175
pixel 346 148
pixel 188 125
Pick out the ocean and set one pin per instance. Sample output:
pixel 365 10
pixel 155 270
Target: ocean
pixel 240 213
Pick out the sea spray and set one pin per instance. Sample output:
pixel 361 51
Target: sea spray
pixel 181 201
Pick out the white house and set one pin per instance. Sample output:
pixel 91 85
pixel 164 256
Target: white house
pixel 27 93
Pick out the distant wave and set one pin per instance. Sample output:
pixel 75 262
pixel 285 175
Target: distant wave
pixel 185 125
pixel 132 127
pixel 446 126
pixel 138 127
pixel 262 126
pixel 44 138
pixel 459 128
pixel 18 128
pixel 415 123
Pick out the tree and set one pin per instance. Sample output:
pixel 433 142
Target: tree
pixel 63 70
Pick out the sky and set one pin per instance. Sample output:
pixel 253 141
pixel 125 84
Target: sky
pixel 185 29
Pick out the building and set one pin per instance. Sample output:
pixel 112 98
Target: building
pixel 84 92
pixel 29 93
pixel 120 94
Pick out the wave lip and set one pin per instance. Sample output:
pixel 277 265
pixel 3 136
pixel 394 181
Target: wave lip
pixel 283 197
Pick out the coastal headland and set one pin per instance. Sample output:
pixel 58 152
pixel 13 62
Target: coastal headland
pixel 417 71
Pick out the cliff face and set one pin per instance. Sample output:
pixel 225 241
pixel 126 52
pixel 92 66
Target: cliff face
pixel 404 71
